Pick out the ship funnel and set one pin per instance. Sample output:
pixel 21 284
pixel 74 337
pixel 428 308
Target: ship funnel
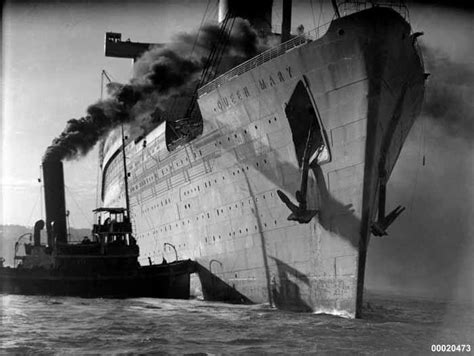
pixel 258 13
pixel 55 201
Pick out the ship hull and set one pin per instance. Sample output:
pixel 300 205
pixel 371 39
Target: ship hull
pixel 215 200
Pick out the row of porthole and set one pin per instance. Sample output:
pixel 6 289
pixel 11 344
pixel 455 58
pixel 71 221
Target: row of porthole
pixel 167 170
pixel 164 171
pixel 231 234
pixel 244 131
pixel 163 202
pixel 208 184
pixel 218 211
pixel 169 227
pixel 241 231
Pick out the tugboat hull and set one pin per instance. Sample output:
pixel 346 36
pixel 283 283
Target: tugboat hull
pixel 159 281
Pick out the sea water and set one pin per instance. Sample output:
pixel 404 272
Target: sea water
pixel 64 325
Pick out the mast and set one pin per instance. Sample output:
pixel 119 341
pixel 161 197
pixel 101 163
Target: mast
pixel 127 198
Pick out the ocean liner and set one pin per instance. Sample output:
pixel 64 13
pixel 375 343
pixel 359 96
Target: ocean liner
pixel 277 196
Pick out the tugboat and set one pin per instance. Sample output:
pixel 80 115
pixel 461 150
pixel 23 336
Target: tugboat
pixel 105 265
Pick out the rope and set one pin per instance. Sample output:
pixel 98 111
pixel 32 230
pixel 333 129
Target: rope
pixel 78 206
pixel 173 105
pixel 420 151
pixel 200 27
pixel 320 12
pixel 33 209
pixel 312 11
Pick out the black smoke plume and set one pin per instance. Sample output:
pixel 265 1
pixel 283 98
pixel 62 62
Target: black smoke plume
pixel 161 75
pixel 449 93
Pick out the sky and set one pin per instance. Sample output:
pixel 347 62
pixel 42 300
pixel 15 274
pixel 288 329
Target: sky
pixel 53 55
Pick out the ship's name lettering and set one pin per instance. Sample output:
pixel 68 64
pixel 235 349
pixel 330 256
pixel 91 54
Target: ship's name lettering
pixel 226 101
pixel 273 79
pixel 269 81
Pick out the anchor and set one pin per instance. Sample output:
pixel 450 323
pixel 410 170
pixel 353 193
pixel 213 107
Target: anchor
pixel 379 227
pixel 300 212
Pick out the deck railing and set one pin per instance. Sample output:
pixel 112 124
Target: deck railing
pixel 347 7
pixel 266 56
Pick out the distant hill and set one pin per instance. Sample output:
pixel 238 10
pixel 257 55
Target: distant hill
pixel 9 234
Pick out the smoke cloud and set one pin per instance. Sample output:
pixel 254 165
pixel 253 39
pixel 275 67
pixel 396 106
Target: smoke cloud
pixel 449 93
pixel 161 75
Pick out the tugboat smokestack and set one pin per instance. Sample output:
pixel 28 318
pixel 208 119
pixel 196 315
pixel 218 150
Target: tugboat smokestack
pixel 55 201
pixel 39 225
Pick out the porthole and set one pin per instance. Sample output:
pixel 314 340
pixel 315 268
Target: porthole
pixel 340 32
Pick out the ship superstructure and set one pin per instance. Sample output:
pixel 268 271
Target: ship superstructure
pixel 277 198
